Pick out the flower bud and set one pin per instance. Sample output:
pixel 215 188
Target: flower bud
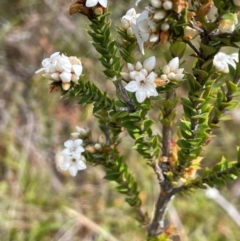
pixel 190 33
pixel 167 5
pixel 98 11
pixel 226 26
pixel 159 15
pixel 156 3
pixel 102 139
pixel 153 38
pixel 66 85
pixel 125 23
pixel 98 146
pixel 138 66
pixel 165 27
pixel 160 82
pixel 166 69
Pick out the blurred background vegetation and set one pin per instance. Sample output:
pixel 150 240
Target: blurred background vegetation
pixel 37 202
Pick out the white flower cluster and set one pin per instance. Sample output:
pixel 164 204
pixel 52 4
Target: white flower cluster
pixel 144 26
pixel 142 79
pixel 93 3
pixel 222 60
pixel 171 71
pixel 228 23
pixel 74 161
pixel 62 68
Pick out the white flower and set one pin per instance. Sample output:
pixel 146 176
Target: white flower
pixel 73 165
pixel 62 68
pixel 222 60
pixel 93 3
pixel 142 79
pixel 73 159
pixel 144 27
pixel 236 3
pixel 171 71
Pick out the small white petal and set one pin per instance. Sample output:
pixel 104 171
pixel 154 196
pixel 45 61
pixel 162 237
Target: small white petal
pixel 172 76
pixel 73 170
pixel 174 64
pixel 166 69
pixel 103 3
pixel 138 66
pixel 68 144
pixel 65 76
pixel 81 165
pixel 66 152
pixel 77 68
pixel 55 76
pixel 54 55
pixel 151 77
pixel 141 96
pixel 152 91
pixel 65 165
pixel 133 74
pixel 179 77
pixel 144 71
pixel 130 67
pixel 150 63
pixel 180 71
pixel 77 142
pixel 91 3
pixel 132 86
pixel 79 149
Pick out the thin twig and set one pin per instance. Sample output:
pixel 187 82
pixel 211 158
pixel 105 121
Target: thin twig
pixel 189 43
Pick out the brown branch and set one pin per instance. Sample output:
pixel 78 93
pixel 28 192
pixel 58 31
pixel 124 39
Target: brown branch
pixel 157 226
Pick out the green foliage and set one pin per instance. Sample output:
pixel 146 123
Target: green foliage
pixel 127 46
pixel 101 35
pixel 222 172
